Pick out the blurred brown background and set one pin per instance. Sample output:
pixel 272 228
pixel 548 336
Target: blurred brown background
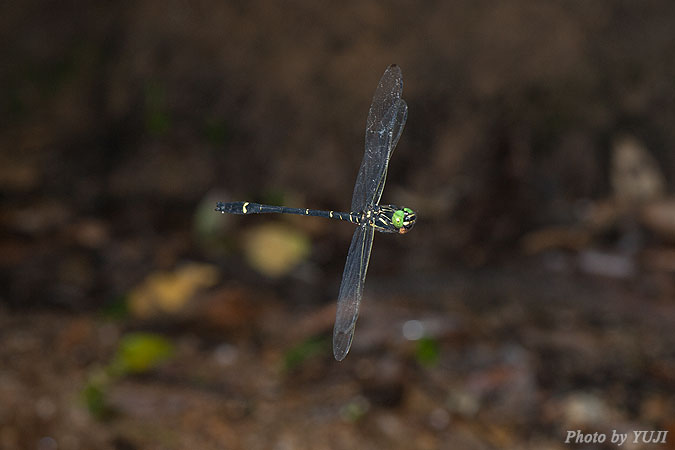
pixel 534 296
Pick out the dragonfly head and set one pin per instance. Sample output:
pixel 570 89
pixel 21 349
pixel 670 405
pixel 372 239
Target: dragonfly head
pixel 395 219
pixel 407 221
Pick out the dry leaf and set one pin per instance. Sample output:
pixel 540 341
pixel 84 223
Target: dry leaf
pixel 168 292
pixel 275 249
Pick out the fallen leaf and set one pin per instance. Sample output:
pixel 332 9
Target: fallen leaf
pixel 275 249
pixel 168 292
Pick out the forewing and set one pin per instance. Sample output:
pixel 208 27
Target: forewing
pixel 397 129
pixel 351 290
pixel 383 125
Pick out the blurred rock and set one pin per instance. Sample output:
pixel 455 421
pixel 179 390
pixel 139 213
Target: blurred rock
pixel 598 215
pixel 585 409
pixel 463 403
pixel 635 174
pixel 38 218
pixel 228 308
pixel 17 173
pixel 567 238
pixel 439 419
pixel 313 323
pixel 659 259
pixel 75 333
pixel 384 383
pixel 659 218
pixel 90 233
pixel 607 264
pixel 506 381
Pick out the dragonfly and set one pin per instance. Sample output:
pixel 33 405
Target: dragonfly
pixel 386 119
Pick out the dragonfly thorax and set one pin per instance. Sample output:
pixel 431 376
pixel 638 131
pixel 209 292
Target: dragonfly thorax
pixel 390 218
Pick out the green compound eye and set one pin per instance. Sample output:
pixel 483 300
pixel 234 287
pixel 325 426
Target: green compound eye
pixel 397 218
pixel 408 210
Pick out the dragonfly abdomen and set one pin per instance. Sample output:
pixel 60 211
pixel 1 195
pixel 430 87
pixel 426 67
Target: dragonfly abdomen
pixel 257 208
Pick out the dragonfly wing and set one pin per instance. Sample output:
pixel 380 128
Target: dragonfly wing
pixel 351 290
pixel 397 129
pixel 384 125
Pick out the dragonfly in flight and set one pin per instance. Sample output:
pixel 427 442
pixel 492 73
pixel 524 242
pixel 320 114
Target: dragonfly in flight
pixel 386 118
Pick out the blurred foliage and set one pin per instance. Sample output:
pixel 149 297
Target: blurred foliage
pixel 94 397
pixel 427 351
pixel 276 197
pixel 217 131
pixel 141 352
pixel 355 410
pixel 157 120
pixel 307 349
pixel 117 309
pixel 209 228
pixel 136 353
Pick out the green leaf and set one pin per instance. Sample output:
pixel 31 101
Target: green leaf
pixel 303 351
pixel 427 351
pixel 141 352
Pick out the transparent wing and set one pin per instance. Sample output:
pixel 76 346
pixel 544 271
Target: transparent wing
pixel 399 123
pixel 351 290
pixel 386 118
